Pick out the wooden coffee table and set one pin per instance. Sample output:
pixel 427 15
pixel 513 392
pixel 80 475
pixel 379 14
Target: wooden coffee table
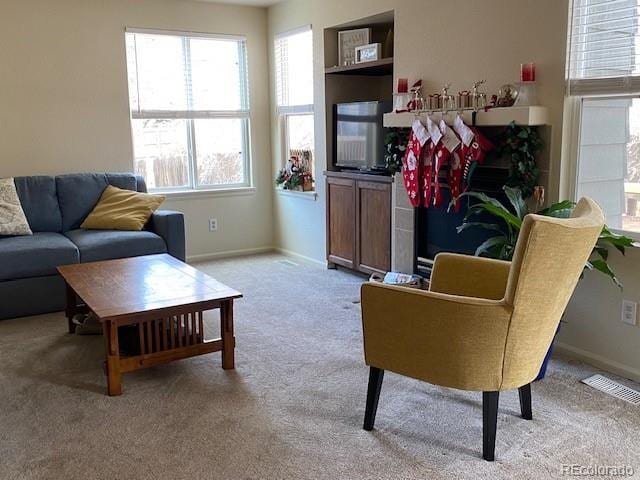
pixel 164 297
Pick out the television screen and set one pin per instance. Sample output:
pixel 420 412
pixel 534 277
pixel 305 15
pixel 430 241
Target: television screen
pixel 359 135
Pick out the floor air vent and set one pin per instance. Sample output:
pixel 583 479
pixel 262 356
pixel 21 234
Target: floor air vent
pixel 613 388
pixel 288 263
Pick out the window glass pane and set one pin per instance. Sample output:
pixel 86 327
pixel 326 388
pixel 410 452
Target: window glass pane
pixel 217 77
pixel 609 159
pixel 220 151
pixel 158 61
pixel 294 69
pixel 161 150
pixel 300 132
pixel 631 216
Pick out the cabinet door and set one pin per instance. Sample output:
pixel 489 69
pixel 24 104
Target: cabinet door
pixel 341 221
pixel 373 218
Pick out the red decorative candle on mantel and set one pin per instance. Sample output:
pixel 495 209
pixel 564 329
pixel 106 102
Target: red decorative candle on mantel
pixel 527 72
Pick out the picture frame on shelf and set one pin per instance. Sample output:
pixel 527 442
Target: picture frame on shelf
pixel 368 53
pixel 348 40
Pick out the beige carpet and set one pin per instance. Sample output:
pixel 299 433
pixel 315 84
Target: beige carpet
pixel 291 410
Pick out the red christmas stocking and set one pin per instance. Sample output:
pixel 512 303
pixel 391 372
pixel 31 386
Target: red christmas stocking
pixel 411 163
pixel 429 177
pixel 476 151
pixel 447 147
pixel 427 170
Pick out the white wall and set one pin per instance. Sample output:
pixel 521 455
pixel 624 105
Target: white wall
pixel 455 41
pixel 64 100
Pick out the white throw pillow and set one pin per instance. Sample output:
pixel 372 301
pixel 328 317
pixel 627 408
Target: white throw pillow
pixel 12 219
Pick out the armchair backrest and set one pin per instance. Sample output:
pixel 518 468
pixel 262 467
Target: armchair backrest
pixel 548 261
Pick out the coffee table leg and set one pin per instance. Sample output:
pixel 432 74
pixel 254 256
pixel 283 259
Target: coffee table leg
pixel 71 306
pixel 226 330
pixel 112 353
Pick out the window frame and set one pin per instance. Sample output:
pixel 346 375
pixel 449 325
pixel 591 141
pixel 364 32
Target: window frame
pixel 625 86
pixel 190 116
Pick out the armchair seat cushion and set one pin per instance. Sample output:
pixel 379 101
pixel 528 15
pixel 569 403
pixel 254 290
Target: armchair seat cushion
pixel 96 245
pixel 35 255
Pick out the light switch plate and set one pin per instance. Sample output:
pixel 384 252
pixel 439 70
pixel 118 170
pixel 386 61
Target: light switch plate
pixel 629 312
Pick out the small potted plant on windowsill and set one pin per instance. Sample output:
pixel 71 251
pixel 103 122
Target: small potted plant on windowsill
pixel 296 175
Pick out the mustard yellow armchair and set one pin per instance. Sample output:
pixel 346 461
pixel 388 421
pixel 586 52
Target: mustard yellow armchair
pixel 485 324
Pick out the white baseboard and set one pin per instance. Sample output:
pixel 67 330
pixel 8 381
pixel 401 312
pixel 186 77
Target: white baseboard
pixel 300 256
pixel 599 361
pixel 229 254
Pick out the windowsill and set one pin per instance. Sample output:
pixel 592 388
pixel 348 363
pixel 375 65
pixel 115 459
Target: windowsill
pixel 313 196
pixel 218 192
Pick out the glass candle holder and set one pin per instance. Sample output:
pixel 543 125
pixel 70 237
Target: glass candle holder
pixel 527 72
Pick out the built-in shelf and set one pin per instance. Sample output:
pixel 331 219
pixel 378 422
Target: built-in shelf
pixel 374 68
pixel 493 117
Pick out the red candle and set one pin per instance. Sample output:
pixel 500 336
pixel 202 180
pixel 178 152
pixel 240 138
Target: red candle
pixel 527 72
pixel 403 85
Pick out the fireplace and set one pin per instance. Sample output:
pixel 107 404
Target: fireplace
pixel 419 234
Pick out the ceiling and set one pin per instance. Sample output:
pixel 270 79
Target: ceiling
pixel 252 3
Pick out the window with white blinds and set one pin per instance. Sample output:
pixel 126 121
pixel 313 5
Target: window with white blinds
pixel 189 104
pixel 603 70
pixel 293 55
pixel 293 52
pixel 604 47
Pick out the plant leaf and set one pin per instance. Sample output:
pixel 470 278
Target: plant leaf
pixel 514 195
pixel 504 214
pixel 602 252
pixel 484 198
pixel 486 226
pixel 560 210
pixel 603 267
pixel 491 246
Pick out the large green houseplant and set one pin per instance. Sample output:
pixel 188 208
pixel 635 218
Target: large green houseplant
pixel 508 220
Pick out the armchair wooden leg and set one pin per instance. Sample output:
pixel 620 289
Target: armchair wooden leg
pixel 373 394
pixel 489 423
pixel 525 401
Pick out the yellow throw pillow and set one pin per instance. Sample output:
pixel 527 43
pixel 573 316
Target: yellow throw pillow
pixel 120 209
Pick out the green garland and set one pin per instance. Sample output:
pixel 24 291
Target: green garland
pixel 521 145
pixel 395 144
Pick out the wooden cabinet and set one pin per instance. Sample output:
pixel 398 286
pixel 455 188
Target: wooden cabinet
pixel 359 221
pixel 341 221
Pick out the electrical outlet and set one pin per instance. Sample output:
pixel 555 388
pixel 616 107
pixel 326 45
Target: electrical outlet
pixel 629 312
pixel 213 224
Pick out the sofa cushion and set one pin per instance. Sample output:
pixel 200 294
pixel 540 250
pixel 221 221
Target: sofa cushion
pixel 78 193
pixel 39 201
pixel 35 255
pixel 95 245
pixel 125 181
pixel 120 209
pixel 12 219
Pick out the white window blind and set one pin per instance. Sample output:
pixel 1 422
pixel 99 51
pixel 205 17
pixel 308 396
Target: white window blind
pixel 604 47
pixel 293 53
pixel 171 74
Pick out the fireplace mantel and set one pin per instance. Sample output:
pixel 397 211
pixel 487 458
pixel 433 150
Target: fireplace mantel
pixel 494 117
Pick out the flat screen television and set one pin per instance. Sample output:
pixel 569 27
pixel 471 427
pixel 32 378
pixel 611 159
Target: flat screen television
pixel 359 135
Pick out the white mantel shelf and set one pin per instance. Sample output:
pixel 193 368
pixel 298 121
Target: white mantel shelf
pixel 494 117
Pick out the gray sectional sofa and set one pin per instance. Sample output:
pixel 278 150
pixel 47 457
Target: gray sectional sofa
pixel 55 207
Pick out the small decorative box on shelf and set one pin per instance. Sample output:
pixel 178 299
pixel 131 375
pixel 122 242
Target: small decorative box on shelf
pixel 494 117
